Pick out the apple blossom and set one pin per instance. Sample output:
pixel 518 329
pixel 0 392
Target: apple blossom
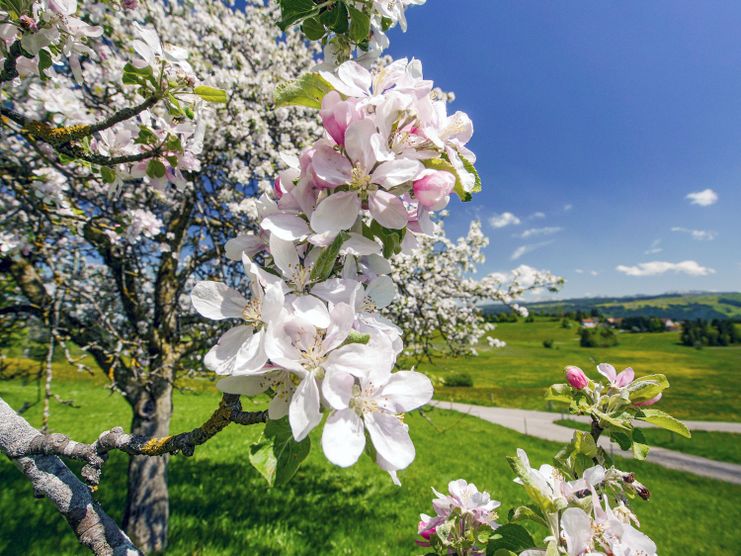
pixel 576 377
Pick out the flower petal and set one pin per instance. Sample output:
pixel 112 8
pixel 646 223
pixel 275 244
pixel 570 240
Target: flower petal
pixel 331 167
pixel 223 356
pixel 388 210
pixel 285 255
pixel 337 212
pixel 303 413
pixel 217 301
pixel 337 389
pixel 288 227
pixel 343 439
pixel 382 291
pixel 244 385
pixel 391 438
pixel 407 390
pixel 395 172
pixel 312 310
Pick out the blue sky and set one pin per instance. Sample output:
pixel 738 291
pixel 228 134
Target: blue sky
pixel 594 121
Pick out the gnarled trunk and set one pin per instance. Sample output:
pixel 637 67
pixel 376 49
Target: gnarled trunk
pixel 147 500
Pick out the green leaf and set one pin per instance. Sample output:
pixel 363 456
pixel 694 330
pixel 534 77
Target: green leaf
pixel 606 420
pixel 210 94
pixel 276 455
pixel 155 169
pixel 640 451
pixel 336 18
pixel 45 61
pixel 621 439
pixel 107 174
pixel 308 90
pixel 530 512
pixel 559 393
pixel 359 25
pixel 293 11
pixel 355 337
pixel 471 169
pixel 510 538
pixel 313 29
pixel 137 76
pixel 647 387
pixel 551 549
pixel 501 552
pixel 325 262
pixel 584 444
pixel 664 420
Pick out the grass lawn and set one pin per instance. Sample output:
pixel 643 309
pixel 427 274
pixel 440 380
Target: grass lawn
pixel 704 383
pixel 721 446
pixel 219 504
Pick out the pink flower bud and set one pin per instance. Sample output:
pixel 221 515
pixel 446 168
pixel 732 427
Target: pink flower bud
pixel 337 115
pixel 130 4
pixel 277 187
pixel 433 189
pixel 652 401
pixel 576 378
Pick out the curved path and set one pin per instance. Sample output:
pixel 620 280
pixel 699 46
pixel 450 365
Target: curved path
pixel 541 425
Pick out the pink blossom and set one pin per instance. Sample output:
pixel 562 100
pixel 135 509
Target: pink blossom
pixel 652 401
pixel 433 189
pixel 621 380
pixel 576 377
pixel 337 115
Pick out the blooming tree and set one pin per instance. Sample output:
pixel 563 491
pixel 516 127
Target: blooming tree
pixel 438 306
pixel 126 210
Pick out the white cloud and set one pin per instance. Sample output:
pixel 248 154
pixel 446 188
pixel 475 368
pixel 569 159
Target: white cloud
pixel 699 235
pixel 704 198
pixel 537 216
pixel 528 248
pixel 539 232
pixel 567 207
pixel 654 248
pixel 503 220
pixel 579 271
pixel 594 273
pixel 655 268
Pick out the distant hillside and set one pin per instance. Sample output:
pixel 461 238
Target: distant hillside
pixel 671 305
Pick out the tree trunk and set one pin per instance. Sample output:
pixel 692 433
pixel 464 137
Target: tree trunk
pixel 147 500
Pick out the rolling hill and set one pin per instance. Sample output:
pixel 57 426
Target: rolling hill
pixel 678 306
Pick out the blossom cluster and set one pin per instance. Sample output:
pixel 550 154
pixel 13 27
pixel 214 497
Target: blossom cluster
pixel 580 518
pixel 311 334
pixel 463 522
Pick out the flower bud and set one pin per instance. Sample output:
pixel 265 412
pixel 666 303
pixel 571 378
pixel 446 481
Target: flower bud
pixel 433 188
pixel 646 403
pixel 28 23
pixel 130 4
pixel 576 378
pixel 337 115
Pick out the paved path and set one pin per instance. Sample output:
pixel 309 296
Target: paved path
pixel 541 425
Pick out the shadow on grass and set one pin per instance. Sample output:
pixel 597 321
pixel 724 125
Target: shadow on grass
pixel 216 508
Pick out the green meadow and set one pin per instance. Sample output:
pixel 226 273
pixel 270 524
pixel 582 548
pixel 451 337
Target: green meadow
pixel 704 382
pixel 220 505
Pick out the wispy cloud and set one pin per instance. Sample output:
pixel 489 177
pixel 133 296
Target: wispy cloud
pixel 539 232
pixel 537 216
pixel 655 248
pixel 699 235
pixel 582 271
pixel 704 198
pixel 655 268
pixel 567 207
pixel 528 248
pixel 503 220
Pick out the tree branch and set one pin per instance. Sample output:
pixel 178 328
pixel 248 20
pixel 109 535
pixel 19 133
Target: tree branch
pixel 95 454
pixel 52 479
